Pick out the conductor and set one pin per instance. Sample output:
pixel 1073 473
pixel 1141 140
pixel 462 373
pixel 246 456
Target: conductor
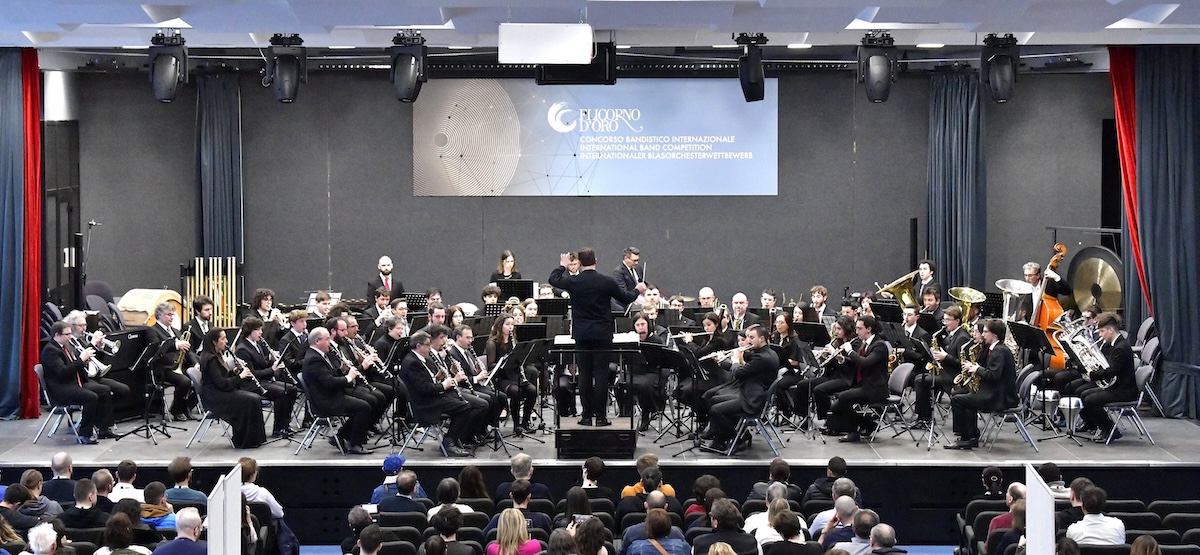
pixel 592 328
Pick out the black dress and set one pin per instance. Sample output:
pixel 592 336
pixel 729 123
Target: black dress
pixel 241 409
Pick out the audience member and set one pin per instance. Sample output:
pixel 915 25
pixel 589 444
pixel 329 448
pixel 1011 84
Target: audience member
pixel 403 502
pixel 1145 545
pixel 104 487
pixel 143 534
pixel 255 493
pixel 512 535
pixel 577 504
pixel 392 466
pixel 180 472
pixel 520 493
pixel 370 541
pixel 993 487
pixel 883 540
pixel 1066 546
pixel 447 496
pixel 710 497
pixel 447 522
pixel 1074 513
pixel 787 525
pixel 8 536
pixel 521 466
pixel 1016 529
pixel 699 489
pixel 842 487
pixel 40 505
pixel 187 542
pixel 777 471
pixel 358 519
pixel 84 513
pixel 764 533
pixel 470 480
pixel 721 548
pixel 652 480
pixel 1053 478
pixel 776 491
pixel 643 462
pixel 1095 528
pixel 726 522
pixel 593 470
pixel 840 528
pixel 124 488
pixel 590 536
pixel 660 537
pixel 562 543
pixel 1015 492
pixel 156 511
pixel 14 497
pixel 118 534
pixel 822 488
pixel 864 521
pixel 632 534
pixel 42 539
pixel 61 487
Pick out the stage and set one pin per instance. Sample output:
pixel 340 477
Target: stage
pixel 918 490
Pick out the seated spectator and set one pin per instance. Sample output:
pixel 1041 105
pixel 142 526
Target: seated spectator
pixel 843 487
pixel 447 522
pixel 250 529
pixel 124 489
pixel 512 536
pixel 787 525
pixel 822 488
pixel 118 534
pixel 710 497
pixel 652 480
pixel 14 497
pixel 992 479
pixel 864 521
pixel 593 470
pixel 370 542
pixel 156 511
pixel 255 493
pixel 84 513
pixel 840 528
pixel 726 521
pixel 403 501
pixel 187 542
pixel 1074 513
pixel 699 488
pixel 1016 529
pixel 1145 545
pixel 1015 492
pixel 763 532
pixel 521 466
pixel 722 548
pixel 358 519
pixel 61 487
pixel 433 546
pixel 447 496
pixel 521 493
pixel 143 534
pixel 8 535
pixel 562 543
pixel 883 540
pixel 104 487
pixel 637 532
pixel 393 465
pixel 1053 478
pixel 1095 528
pixel 590 536
pixel 470 481
pixel 1066 546
pixel 777 471
pixel 776 492
pixel 643 462
pixel 577 504
pixel 180 472
pixel 42 539
pixel 40 505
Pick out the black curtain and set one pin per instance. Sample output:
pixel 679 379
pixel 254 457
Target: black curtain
pixel 1168 156
pixel 957 226
pixel 219 164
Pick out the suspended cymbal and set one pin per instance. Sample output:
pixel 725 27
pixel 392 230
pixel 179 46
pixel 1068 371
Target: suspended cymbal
pixel 1096 276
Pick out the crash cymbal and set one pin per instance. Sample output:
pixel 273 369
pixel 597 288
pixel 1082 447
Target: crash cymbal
pixel 1096 276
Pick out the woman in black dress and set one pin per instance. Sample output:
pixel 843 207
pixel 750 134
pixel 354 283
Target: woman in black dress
pixel 220 392
pixel 690 389
pixel 506 269
pixel 786 337
pixel 512 380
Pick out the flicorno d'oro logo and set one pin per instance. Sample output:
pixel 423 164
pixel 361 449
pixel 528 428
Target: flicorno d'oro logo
pixel 555 117
pixel 593 120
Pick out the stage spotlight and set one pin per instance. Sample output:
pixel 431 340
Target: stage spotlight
pixel 750 67
pixel 998 66
pixel 168 65
pixel 408 64
pixel 877 65
pixel 287 66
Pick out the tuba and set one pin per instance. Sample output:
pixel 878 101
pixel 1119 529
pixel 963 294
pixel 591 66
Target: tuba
pixel 902 289
pixel 1095 366
pixel 967 298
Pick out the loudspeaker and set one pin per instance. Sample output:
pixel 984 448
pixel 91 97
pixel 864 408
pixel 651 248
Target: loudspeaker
pixel 750 73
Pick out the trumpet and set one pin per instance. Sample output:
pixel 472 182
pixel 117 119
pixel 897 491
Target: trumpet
pixel 179 358
pixel 725 353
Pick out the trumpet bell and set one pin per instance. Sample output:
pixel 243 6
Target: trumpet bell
pixel 967 298
pixel 902 290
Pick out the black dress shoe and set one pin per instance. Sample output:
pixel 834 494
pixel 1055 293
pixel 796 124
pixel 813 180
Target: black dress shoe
pixel 851 437
pixel 453 451
pixel 181 417
pixel 964 444
pixel 828 432
pixel 281 433
pixel 708 434
pixel 336 442
pixel 357 450
pixel 87 441
pixel 721 445
pixel 107 434
pixel 602 422
pixel 585 421
pixel 644 425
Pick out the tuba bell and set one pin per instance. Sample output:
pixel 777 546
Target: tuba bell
pixel 902 289
pixel 1013 290
pixel 966 299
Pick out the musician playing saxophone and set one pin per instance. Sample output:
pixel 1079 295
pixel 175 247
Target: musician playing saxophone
pixel 997 374
pixel 1119 354
pixel 950 341
pixel 252 349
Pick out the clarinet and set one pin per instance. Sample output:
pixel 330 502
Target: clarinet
pixel 360 380
pixel 443 371
pixel 479 369
pixel 262 345
pixel 240 366
pixel 369 350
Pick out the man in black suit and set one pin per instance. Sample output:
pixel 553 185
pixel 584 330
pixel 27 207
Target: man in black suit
pixel 924 278
pixel 739 317
pixel 461 351
pixel 431 398
pixel 67 383
pixel 78 321
pixel 327 392
pixel 170 345
pixel 344 356
pixel 1119 354
pixel 950 344
pixel 202 309
pixel 727 523
pixel 914 332
pixel 385 280
pixel 626 276
pixel 377 313
pixel 402 502
pixel 759 365
pixel 293 344
pixel 997 387
pixel 869 377
pixel 592 326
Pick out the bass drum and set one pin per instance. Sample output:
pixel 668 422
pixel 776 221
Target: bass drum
pixel 1096 275
pixel 137 306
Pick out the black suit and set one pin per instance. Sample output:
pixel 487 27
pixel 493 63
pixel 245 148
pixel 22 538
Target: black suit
pixel 592 328
pixel 163 366
pixel 67 383
pixel 748 319
pixel 648 383
pixel 391 355
pixel 753 379
pixel 293 348
pixel 952 345
pixel 868 372
pixel 198 332
pixel 377 398
pixel 377 282
pixel 1120 360
pixel 626 281
pixel 997 391
pixel 430 400
pixel 327 393
pixel 281 394
pixel 401 504
pixel 494 399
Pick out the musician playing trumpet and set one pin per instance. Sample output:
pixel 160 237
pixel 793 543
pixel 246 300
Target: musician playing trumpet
pixel 950 340
pixel 997 372
pixel 268 372
pixel 95 342
pixel 66 381
pixel 1119 354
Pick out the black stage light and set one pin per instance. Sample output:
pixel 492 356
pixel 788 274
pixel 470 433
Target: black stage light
pixel 998 66
pixel 750 67
pixel 168 65
pixel 408 64
pixel 287 66
pixel 877 65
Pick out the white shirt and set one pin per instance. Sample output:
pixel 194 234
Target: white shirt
pixel 856 546
pixel 126 491
pixel 257 494
pixel 1097 530
pixel 464 509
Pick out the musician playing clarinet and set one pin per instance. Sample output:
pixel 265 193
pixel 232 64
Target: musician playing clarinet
pixel 339 351
pixel 592 328
pixel 435 395
pixel 477 376
pixel 1119 354
pixel 253 350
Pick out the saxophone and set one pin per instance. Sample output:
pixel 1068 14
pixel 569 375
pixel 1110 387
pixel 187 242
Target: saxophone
pixel 968 380
pixel 933 366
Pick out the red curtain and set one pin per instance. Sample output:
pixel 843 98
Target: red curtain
pixel 1121 72
pixel 31 78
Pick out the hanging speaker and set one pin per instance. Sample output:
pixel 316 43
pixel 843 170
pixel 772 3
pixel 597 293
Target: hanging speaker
pixel 998 66
pixel 750 73
pixel 408 71
pixel 168 68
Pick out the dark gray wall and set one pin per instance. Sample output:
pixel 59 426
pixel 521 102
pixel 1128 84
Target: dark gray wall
pixel 328 184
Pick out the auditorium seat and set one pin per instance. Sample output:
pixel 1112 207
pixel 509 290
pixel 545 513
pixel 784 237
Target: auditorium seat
pixel 1165 507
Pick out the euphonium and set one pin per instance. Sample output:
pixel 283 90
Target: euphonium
pixel 968 380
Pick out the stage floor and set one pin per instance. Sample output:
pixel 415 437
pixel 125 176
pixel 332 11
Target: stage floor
pixel 1175 445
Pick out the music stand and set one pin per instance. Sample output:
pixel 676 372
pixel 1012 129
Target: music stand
pixel 314 323
pixel 525 353
pixel 420 322
pixel 553 307
pixel 529 332
pixel 494 309
pixel 334 298
pixel 151 392
pixel 887 310
pixel 992 305
pixel 622 325
pixel 519 288
pixel 660 356
pixel 698 373
pixel 764 314
pixel 812 333
pixel 416 301
pixel 926 322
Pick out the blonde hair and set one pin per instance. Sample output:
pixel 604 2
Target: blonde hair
pixel 511 532
pixel 721 548
pixel 777 506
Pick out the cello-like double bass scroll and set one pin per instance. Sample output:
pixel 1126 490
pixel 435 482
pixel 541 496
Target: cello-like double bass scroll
pixel 1046 311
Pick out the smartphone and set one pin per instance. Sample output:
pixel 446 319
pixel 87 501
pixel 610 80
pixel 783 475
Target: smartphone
pixel 580 519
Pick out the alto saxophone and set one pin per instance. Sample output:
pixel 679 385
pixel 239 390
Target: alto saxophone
pixel 933 366
pixel 969 380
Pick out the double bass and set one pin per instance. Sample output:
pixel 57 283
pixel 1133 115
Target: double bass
pixel 1046 309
